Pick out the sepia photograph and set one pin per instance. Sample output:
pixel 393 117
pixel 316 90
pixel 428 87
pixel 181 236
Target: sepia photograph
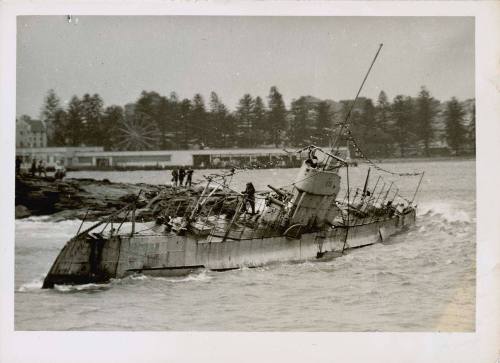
pixel 249 181
pixel 245 173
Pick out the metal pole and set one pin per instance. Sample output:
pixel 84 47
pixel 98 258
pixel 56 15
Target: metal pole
pixel 395 195
pixel 199 199
pixel 380 193
pixel 418 186
pixel 298 205
pixel 123 221
pixel 133 221
pixel 236 215
pixel 348 196
pixel 365 206
pixel 372 193
pixel 378 196
pixel 348 116
pixel 218 219
pixel 83 220
pixel 375 188
pixel 355 195
pixel 387 194
pixel 376 184
pixel 365 187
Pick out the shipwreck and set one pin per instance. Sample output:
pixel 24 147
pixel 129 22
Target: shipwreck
pixel 219 228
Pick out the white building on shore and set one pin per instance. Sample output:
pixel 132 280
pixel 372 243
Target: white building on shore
pixel 96 157
pixel 30 133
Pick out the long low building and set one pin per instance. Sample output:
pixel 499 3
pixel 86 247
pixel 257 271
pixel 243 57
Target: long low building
pixel 68 156
pixel 96 157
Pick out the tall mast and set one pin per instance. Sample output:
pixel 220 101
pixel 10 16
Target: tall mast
pixel 348 116
pixel 335 140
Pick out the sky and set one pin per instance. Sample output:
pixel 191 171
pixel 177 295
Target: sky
pixel 327 57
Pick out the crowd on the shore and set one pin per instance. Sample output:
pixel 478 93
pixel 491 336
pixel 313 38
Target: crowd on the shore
pixel 178 175
pixel 39 167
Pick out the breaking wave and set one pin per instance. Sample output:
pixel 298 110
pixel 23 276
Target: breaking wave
pixel 84 287
pixel 199 276
pixel 202 276
pixel 35 284
pixel 450 212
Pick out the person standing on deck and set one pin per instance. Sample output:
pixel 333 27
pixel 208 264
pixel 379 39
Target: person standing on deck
pixel 175 176
pixel 250 196
pixel 189 176
pixel 182 174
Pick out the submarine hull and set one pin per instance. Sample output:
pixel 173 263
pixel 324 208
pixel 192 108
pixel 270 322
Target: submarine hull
pixel 95 259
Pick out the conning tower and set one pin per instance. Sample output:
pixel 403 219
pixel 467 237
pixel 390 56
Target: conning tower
pixel 314 193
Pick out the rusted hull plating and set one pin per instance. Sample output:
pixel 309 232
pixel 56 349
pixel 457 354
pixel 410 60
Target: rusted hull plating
pixel 95 260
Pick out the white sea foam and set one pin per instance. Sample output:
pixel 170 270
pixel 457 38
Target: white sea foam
pixel 199 277
pixel 36 284
pixel 84 287
pixel 138 277
pixel 195 276
pixel 449 211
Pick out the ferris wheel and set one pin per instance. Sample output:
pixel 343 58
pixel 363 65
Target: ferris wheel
pixel 138 133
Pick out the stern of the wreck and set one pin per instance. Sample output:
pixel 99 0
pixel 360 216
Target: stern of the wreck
pixel 86 258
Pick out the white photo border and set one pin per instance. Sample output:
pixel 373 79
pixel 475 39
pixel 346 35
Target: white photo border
pixel 481 346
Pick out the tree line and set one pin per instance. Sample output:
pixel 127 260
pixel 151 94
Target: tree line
pixel 405 126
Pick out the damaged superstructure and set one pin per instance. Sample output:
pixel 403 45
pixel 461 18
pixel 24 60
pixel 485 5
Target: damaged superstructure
pixel 308 219
pixel 216 230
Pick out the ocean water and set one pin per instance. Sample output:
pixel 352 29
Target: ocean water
pixel 420 280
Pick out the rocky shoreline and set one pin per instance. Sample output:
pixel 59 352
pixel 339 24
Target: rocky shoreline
pixel 80 198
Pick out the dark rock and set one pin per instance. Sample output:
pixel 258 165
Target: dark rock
pixel 22 212
pixel 128 198
pixel 73 198
pixel 93 200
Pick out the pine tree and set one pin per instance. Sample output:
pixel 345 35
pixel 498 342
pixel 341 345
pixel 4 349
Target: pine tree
pixel 369 129
pixel 173 122
pixel 259 121
pixel 403 130
pixel 61 129
pixel 323 123
pixel 218 128
pixel 244 116
pixel 50 110
pixel 92 115
pixel 229 134
pixel 383 125
pixel 164 122
pixel 363 127
pixel 184 123
pixel 112 118
pixel 455 130
pixel 426 111
pixel 472 128
pixel 75 122
pixel 276 116
pixel 301 122
pixel 198 119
